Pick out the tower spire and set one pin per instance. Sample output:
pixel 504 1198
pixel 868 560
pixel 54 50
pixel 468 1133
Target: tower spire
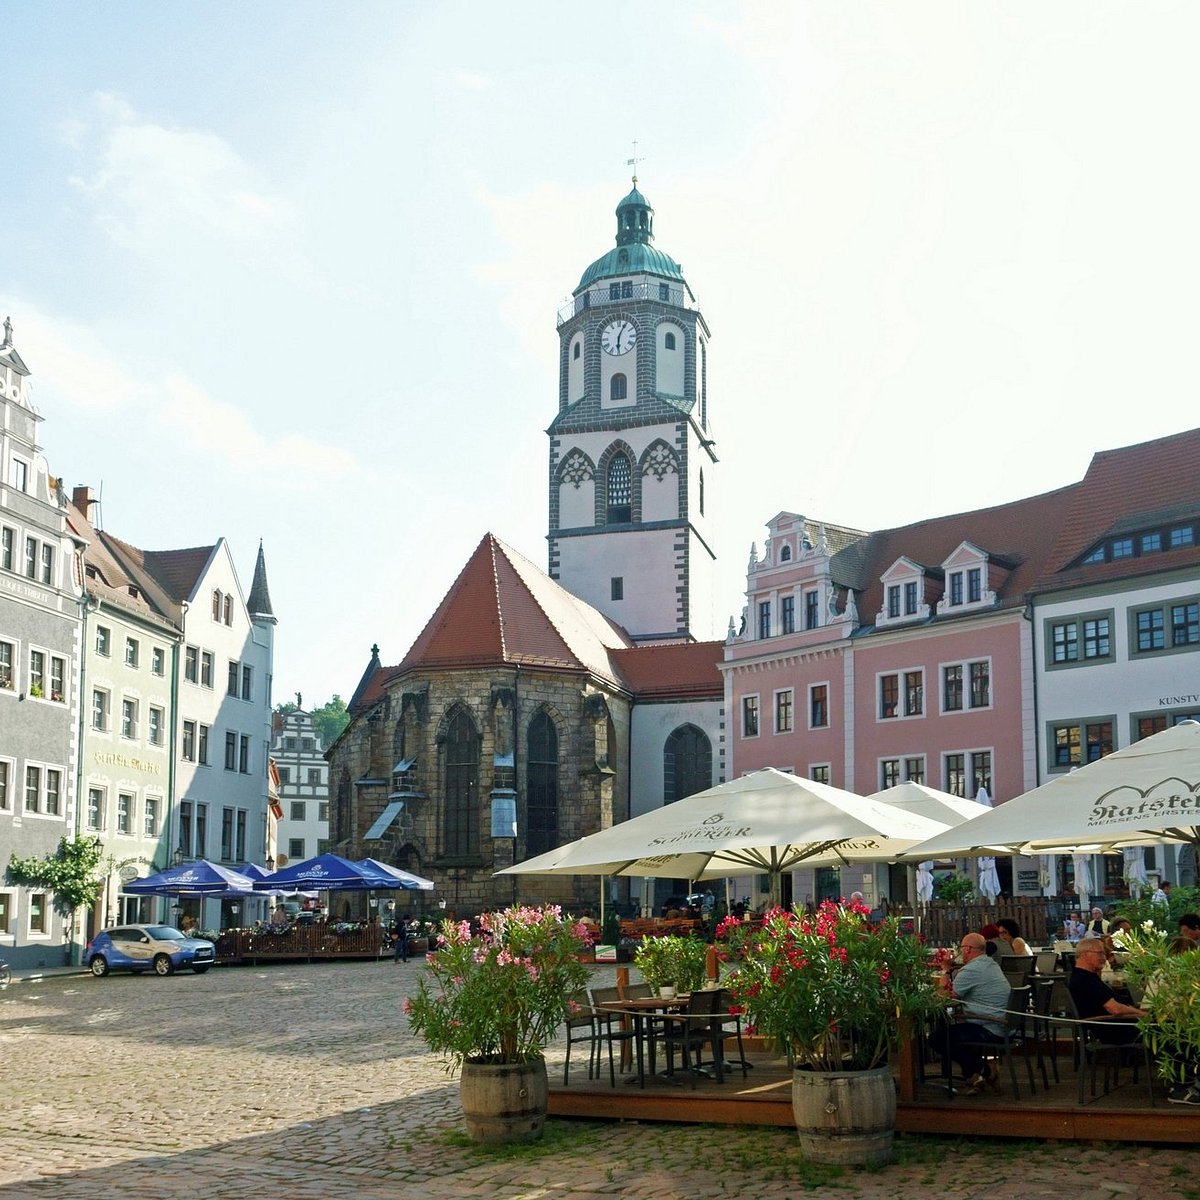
pixel 260 596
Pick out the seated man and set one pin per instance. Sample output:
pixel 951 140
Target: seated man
pixel 1094 998
pixel 1097 926
pixel 983 988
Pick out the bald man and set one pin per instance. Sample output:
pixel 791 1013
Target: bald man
pixel 983 988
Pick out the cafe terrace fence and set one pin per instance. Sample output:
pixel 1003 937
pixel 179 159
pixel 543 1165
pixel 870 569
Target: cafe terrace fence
pixel 306 942
pixel 943 922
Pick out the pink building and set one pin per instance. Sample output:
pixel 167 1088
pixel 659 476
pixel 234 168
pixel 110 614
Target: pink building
pixel 866 659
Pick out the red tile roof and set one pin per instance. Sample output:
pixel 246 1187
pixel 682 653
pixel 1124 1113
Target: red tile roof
pixel 673 670
pixel 502 610
pixel 1146 480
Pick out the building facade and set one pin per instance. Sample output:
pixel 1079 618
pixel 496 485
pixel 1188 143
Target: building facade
pixel 40 625
pixel 299 756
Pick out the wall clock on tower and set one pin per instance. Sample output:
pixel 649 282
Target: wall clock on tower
pixel 618 337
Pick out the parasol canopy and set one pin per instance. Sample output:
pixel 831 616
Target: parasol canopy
pixel 200 878
pixel 1147 793
pixel 327 873
pixel 766 822
pixel 404 880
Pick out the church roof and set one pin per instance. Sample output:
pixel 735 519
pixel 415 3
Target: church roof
pixel 673 670
pixel 503 610
pixel 634 253
pixel 259 604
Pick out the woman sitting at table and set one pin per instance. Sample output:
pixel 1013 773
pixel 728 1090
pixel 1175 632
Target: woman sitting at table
pixel 1011 941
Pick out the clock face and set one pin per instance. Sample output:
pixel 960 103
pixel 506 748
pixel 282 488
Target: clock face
pixel 618 337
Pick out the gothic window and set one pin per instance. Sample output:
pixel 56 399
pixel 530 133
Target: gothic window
pixel 576 469
pixel 687 763
pixel 620 483
pixel 541 804
pixel 617 388
pixel 341 830
pixel 575 350
pixel 462 786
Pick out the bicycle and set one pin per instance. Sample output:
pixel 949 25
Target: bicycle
pixel 5 974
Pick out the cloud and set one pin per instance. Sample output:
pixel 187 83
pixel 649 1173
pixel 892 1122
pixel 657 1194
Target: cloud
pixel 74 373
pixel 167 193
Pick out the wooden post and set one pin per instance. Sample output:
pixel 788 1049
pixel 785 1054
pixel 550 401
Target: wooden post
pixel 906 1068
pixel 712 967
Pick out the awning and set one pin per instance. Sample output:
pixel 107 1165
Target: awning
pixel 384 819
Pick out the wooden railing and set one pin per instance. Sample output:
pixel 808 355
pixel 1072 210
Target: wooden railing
pixel 943 923
pixel 318 940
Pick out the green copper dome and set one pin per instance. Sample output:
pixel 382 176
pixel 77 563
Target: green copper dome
pixel 634 253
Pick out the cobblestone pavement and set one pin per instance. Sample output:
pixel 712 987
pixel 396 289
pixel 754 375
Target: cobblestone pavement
pixel 303 1083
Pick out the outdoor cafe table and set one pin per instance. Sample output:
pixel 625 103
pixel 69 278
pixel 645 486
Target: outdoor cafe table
pixel 643 1011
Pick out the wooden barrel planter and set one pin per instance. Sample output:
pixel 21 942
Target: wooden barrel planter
pixel 846 1118
pixel 504 1102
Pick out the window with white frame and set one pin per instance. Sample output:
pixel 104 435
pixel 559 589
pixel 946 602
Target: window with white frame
pixel 8 657
pixel 8 538
pixel 154 728
pixel 158 661
pixel 231 687
pixel 228 610
pixel 132 652
pixel 230 751
pixel 244 754
pixel 784 717
pixel 216 604
pixel 191 664
pixel 787 613
pixel 818 706
pixel 955 774
pixel 188 742
pixel 100 709
pixel 202 744
pixel 966 685
pixel 6 912
pixel 96 808
pixel 125 803
pixel 39 914
pixel 889 696
pixel 129 718
pixel 52 804
pixel 103 640
pixel 980 765
pixel 247 682
pixel 812 609
pixel 151 816
pixel 206 668
pixel 7 768
pixel 819 773
pixel 749 716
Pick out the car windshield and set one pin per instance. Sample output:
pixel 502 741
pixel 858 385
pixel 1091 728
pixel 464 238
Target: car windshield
pixel 164 933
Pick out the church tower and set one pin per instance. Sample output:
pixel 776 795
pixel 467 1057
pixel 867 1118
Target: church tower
pixel 631 449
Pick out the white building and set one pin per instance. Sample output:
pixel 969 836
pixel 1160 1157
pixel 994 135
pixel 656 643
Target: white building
pixel 303 787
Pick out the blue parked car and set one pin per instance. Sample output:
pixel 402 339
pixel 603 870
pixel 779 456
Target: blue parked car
pixel 157 948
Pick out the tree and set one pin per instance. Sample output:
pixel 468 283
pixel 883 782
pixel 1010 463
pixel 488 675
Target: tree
pixel 330 719
pixel 70 873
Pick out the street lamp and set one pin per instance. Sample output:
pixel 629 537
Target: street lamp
pixel 270 863
pixel 233 909
pixel 177 857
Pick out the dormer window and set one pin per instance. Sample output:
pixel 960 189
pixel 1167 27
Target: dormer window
pixel 1154 539
pixel 903 592
pixel 971 579
pixel 956 588
pixel 785 554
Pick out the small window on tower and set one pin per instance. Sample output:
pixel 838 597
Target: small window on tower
pixel 575 350
pixel 618 587
pixel 669 341
pixel 617 387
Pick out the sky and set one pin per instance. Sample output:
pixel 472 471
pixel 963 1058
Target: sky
pixel 290 271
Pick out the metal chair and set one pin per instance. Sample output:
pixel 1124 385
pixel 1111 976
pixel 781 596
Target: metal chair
pixel 1096 1048
pixel 690 1033
pixel 1014 1037
pixel 582 1026
pixel 1017 968
pixel 611 1027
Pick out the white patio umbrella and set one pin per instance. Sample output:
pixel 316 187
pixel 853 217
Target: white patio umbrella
pixel 1139 796
pixel 925 881
pixel 1083 878
pixel 988 881
pixel 763 823
pixel 1135 870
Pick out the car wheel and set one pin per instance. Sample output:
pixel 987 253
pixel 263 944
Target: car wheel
pixel 200 970
pixel 163 965
pixel 98 966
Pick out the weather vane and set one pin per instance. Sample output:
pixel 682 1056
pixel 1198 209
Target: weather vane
pixel 633 162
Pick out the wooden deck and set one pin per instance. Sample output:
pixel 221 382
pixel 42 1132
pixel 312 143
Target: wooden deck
pixel 764 1098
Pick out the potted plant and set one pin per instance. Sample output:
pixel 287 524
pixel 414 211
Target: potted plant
pixel 490 1002
pixel 837 995
pixel 679 964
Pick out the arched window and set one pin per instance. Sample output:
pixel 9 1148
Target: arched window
pixel 617 388
pixel 687 763
pixel 340 830
pixel 541 793
pixel 575 350
pixel 462 786
pixel 620 481
pixel 785 554
pixel 668 341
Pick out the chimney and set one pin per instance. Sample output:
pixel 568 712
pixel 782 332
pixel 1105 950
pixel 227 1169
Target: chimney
pixel 85 500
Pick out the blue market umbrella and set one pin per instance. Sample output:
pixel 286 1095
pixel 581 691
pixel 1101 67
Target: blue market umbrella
pixel 326 873
pixel 201 878
pixel 253 871
pixel 403 880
